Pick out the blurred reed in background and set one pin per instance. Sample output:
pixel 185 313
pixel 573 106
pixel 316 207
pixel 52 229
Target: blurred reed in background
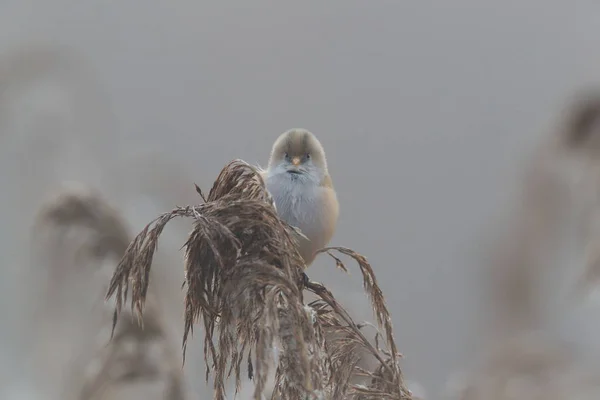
pixel 540 330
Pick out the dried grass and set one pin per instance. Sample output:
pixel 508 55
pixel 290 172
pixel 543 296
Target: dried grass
pixel 78 233
pixel 245 283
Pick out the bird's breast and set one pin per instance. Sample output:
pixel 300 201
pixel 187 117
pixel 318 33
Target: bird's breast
pixel 298 203
pixel 306 205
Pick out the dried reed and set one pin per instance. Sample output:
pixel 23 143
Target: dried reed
pixel 245 282
pixel 527 358
pixel 80 221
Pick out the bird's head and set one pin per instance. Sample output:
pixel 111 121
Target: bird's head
pixel 298 153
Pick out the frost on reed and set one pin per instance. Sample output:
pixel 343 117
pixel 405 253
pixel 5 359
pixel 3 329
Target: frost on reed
pixel 79 235
pixel 245 283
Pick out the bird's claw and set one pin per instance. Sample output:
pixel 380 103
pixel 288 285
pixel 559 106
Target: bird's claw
pixel 305 279
pixel 196 213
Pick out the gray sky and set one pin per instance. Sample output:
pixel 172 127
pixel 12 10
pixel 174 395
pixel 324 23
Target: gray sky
pixel 425 110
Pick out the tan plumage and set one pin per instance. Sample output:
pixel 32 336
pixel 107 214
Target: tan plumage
pixel 298 179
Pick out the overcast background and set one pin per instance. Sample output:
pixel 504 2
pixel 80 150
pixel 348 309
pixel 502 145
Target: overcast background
pixel 425 110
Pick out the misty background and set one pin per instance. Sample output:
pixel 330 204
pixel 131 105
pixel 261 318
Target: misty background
pixel 426 110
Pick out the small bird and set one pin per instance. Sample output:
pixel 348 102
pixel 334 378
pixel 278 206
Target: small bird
pixel 298 179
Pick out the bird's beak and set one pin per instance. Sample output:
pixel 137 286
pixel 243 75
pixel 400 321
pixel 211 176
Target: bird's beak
pixel 296 161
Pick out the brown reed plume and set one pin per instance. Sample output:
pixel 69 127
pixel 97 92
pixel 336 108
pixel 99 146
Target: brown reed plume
pixel 80 234
pixel 245 282
pixel 581 135
pixel 580 124
pixel 77 205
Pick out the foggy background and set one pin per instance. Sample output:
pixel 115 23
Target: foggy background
pixel 426 111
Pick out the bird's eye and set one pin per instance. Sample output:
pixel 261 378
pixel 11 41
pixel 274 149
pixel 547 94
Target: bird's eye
pixel 286 155
pixel 308 156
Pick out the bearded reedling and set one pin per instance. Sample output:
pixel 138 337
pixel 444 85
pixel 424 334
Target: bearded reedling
pixel 298 179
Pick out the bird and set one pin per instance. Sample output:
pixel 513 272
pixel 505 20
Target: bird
pixel 298 179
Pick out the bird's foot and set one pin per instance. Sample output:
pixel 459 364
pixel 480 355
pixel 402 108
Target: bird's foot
pixel 305 279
